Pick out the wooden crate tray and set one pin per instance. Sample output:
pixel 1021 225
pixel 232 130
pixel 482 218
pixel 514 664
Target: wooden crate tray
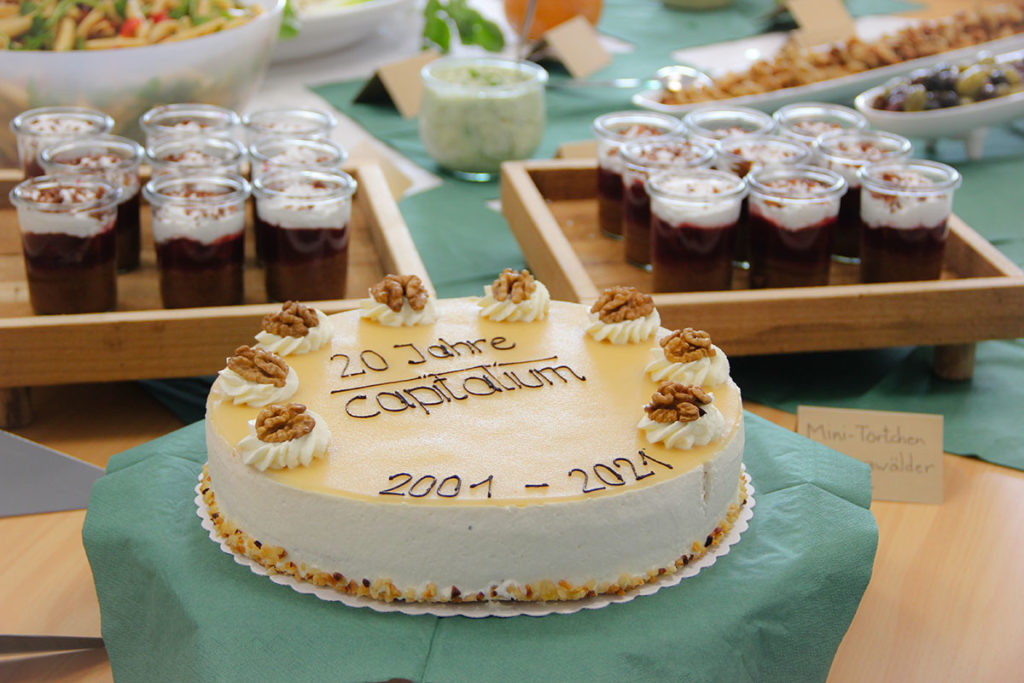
pixel 141 340
pixel 552 209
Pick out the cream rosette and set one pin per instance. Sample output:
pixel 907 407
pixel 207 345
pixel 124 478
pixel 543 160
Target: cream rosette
pixel 299 452
pixel 683 435
pixel 625 331
pixel 534 307
pixel 286 346
pixel 242 391
pixel 371 309
pixel 708 371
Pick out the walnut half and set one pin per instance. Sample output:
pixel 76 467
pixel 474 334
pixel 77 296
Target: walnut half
pixel 622 303
pixel 257 365
pixel 393 288
pixel 278 423
pixel 686 345
pixel 675 402
pixel 293 320
pixel 510 284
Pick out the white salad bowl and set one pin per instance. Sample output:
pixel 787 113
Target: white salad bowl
pixel 330 25
pixel 224 68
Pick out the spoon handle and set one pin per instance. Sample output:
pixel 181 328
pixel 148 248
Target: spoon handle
pixel 523 47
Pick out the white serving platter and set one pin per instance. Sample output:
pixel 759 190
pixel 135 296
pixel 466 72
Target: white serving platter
pixel 330 26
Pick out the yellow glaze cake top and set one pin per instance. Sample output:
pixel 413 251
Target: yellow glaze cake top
pixel 470 411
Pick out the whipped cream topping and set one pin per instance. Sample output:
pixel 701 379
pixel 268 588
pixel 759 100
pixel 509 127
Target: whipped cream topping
pixel 697 201
pixel 905 211
pixel 608 148
pixel 297 156
pixel 286 454
pixel 205 224
pixel 106 162
pixel 60 125
pixel 286 346
pixel 371 309
pixel 56 211
pixel 798 208
pixel 708 371
pixel 625 331
pixel 306 204
pixel 683 435
pixel 256 394
pixel 535 307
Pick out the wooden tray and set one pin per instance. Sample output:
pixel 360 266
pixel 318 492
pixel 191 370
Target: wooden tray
pixel 141 340
pixel 552 210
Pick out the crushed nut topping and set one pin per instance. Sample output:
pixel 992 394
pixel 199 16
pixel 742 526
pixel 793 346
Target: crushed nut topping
pixel 393 288
pixel 278 423
pixel 257 365
pixel 686 345
pixel 675 402
pixel 622 303
pixel 293 320
pixel 519 286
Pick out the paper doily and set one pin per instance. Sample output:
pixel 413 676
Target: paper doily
pixel 493 609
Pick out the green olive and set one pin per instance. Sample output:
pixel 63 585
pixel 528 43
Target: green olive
pixel 917 98
pixel 1012 75
pixel 971 80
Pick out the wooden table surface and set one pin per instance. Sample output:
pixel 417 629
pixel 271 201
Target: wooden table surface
pixel 945 602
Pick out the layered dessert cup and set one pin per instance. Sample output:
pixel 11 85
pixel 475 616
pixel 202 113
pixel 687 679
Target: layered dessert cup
pixel 195 154
pixel 294 154
pixel 641 160
pixel 303 223
pixel 846 152
pixel 310 124
pixel 69 242
pixel 792 212
pixel 183 120
pixel 117 160
pixel 805 121
pixel 716 122
pixel 694 213
pixel 37 129
pixel 612 132
pixel 905 206
pixel 199 231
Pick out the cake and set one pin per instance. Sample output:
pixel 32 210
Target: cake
pixel 501 447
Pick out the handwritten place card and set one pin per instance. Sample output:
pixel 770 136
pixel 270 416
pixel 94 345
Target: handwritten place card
pixel 399 84
pixel 576 44
pixel 820 21
pixel 904 450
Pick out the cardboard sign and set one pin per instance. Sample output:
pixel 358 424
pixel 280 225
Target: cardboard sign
pixel 398 84
pixel 820 21
pixel 904 450
pixel 575 43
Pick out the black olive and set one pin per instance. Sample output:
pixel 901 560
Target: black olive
pixel 947 98
pixel 986 92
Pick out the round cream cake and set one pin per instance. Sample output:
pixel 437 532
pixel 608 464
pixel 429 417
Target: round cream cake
pixel 476 454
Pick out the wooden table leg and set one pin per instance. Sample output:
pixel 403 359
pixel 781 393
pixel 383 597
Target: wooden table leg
pixel 17 407
pixel 954 361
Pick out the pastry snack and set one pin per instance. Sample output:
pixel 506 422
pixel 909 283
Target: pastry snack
pixel 476 459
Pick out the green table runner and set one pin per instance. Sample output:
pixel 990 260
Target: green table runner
pixel 176 608
pixel 463 243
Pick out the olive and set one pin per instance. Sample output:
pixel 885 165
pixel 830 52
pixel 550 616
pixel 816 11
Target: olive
pixel 986 92
pixel 1013 76
pixel 932 101
pixel 920 77
pixel 917 98
pixel 947 98
pixel 997 76
pixel 971 81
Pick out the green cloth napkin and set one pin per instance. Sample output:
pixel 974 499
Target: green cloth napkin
pixel 775 608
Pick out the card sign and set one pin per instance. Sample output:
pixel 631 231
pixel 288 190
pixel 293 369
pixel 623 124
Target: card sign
pixel 575 43
pixel 398 84
pixel 904 450
pixel 821 21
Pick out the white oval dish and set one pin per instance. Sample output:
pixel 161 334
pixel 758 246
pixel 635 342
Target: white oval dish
pixel 328 27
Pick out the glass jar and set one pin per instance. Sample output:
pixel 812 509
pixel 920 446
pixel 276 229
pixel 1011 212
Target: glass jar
pixel 792 212
pixel 185 120
pixel 117 160
pixel 311 124
pixel 199 231
pixel 905 206
pixel 640 160
pixel 196 154
pixel 69 243
pixel 303 222
pixel 37 129
pixel 272 154
pixel 846 152
pixel 694 214
pixel 805 121
pixel 612 132
pixel 714 122
pixel 480 111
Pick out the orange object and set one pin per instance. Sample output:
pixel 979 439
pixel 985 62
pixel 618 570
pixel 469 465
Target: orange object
pixel 550 13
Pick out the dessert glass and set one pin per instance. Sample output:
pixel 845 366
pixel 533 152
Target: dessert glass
pixel 846 152
pixel 183 120
pixel 199 230
pixel 68 239
pixel 117 160
pixel 278 153
pixel 713 123
pixel 302 220
pixel 805 121
pixel 641 159
pixel 792 212
pixel 310 124
pixel 612 131
pixel 480 111
pixel 904 210
pixel 694 213
pixel 195 154
pixel 37 129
